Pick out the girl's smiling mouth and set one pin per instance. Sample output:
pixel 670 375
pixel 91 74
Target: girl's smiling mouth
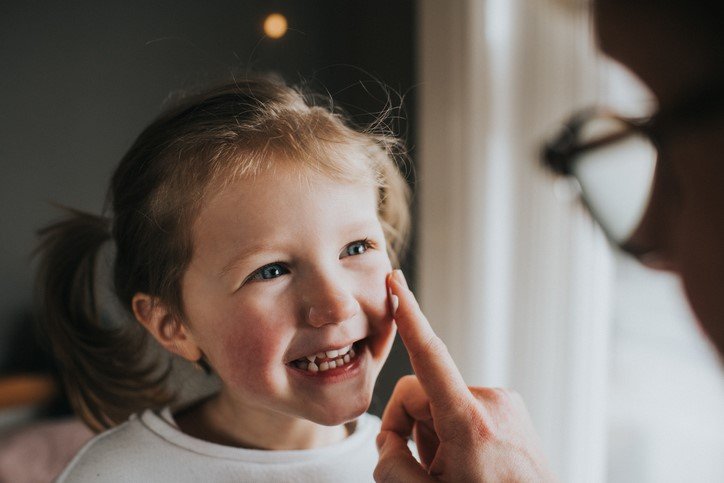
pixel 330 362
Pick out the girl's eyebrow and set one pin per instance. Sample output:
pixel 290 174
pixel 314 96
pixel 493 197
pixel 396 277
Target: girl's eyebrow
pixel 244 253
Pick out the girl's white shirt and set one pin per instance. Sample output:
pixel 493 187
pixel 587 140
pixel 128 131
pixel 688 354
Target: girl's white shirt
pixel 150 447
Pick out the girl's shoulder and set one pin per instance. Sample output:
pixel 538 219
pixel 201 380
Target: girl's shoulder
pixel 152 444
pixel 367 426
pixel 114 454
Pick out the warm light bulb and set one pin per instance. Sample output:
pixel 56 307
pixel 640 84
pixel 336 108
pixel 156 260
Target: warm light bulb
pixel 275 25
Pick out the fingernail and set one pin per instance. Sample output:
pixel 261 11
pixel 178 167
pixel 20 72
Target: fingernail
pixel 400 277
pixel 394 301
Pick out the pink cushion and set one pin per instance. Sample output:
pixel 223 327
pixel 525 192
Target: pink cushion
pixel 39 452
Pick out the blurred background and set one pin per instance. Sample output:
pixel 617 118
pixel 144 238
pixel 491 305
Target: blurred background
pixel 519 283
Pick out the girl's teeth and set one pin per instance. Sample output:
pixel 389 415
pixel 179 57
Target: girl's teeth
pixel 339 357
pixel 331 354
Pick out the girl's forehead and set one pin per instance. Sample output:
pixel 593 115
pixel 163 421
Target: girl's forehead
pixel 281 193
pixel 341 161
pixel 284 210
pixel 293 174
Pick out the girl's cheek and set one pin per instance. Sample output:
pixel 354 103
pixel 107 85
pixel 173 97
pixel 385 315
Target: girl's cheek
pixel 248 348
pixel 379 317
pixel 376 301
pixel 249 365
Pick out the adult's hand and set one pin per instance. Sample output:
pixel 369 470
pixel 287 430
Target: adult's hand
pixel 462 433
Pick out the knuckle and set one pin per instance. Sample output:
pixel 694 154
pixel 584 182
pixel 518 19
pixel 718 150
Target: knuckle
pixel 500 396
pixel 480 424
pixel 381 472
pixel 495 396
pixel 431 346
pixel 509 400
pixel 406 382
pixel 465 422
pixel 493 407
pixel 497 410
pixel 515 398
pixel 384 471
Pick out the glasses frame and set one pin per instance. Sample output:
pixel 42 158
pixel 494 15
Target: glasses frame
pixel 701 106
pixel 560 154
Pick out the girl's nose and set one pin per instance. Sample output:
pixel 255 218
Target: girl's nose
pixel 331 306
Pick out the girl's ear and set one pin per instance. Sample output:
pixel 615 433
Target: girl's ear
pixel 173 335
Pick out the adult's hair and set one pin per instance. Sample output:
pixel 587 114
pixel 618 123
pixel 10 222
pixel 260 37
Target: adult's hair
pixel 190 152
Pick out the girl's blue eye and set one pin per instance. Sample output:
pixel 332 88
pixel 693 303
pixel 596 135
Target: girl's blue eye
pixel 268 272
pixel 356 248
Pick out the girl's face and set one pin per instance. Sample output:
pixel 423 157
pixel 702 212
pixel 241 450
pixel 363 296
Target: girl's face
pixel 287 269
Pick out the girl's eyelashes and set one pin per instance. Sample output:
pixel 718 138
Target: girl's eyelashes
pixel 268 272
pixel 277 269
pixel 356 248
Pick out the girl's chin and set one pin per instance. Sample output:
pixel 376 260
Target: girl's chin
pixel 334 415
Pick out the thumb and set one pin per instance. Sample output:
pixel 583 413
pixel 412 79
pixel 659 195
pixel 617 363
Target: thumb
pixel 396 462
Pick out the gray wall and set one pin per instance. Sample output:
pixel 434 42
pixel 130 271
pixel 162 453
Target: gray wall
pixel 80 80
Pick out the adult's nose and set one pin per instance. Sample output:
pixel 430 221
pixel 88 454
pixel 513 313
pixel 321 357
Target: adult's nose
pixel 329 302
pixel 658 260
pixel 653 253
pixel 653 242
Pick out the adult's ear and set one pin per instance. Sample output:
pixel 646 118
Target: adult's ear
pixel 167 329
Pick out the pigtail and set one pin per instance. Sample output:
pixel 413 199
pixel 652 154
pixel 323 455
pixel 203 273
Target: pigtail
pixel 105 369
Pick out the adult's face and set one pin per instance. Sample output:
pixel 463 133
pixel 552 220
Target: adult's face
pixel 684 224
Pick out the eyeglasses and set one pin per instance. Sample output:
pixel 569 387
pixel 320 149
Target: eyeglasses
pixel 611 161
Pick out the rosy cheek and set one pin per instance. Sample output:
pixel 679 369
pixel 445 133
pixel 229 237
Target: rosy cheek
pixel 247 353
pixel 374 297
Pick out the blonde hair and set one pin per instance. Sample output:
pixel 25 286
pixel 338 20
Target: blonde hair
pixel 207 140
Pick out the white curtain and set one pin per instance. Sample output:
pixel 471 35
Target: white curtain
pixel 512 274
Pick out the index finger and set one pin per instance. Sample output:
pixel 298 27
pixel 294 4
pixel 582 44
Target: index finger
pixel 433 365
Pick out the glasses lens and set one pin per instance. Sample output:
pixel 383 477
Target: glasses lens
pixel 616 176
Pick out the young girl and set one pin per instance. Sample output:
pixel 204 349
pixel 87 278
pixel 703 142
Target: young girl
pixel 253 232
